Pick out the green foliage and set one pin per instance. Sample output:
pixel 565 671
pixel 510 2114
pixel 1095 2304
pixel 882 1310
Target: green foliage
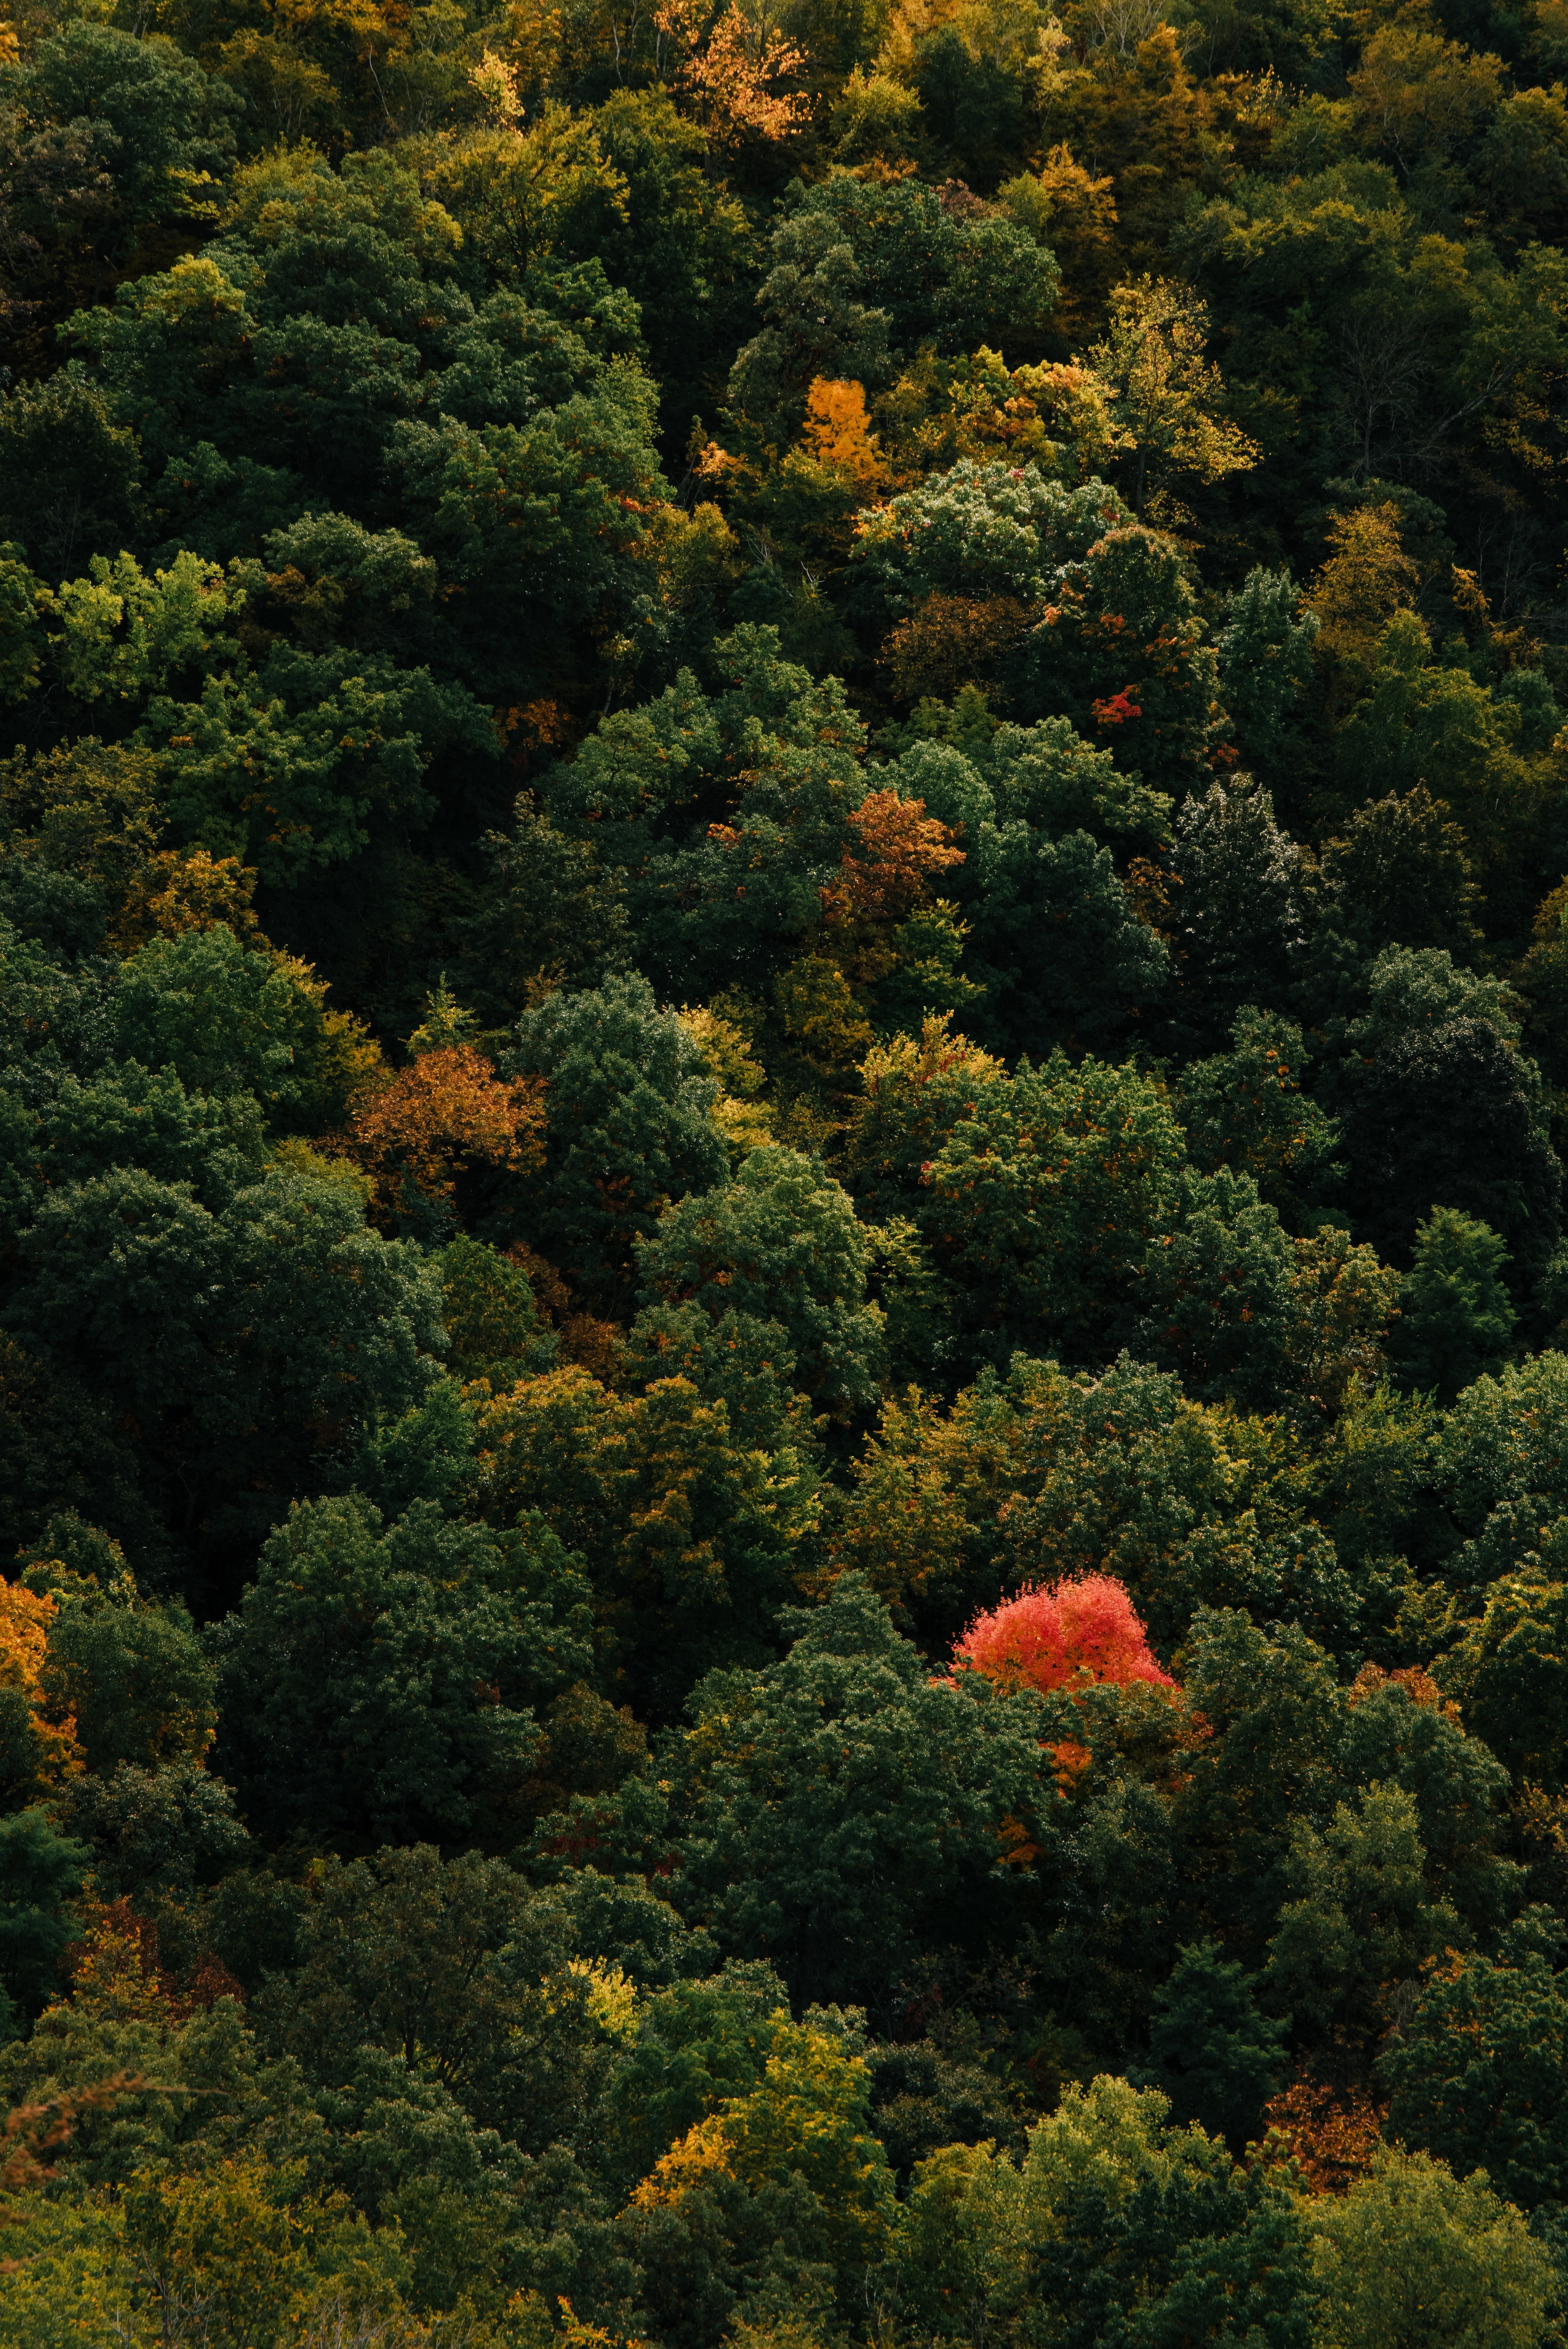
pixel 454 1966
pixel 40 1875
pixel 1477 2075
pixel 136 1680
pixel 827 1802
pixel 1411 2253
pixel 413 1656
pixel 627 1125
pixel 715 554
pixel 1116 2223
pixel 1456 1319
pixel 779 1245
pixel 1212 2052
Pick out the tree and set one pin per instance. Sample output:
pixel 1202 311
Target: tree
pixel 778 1245
pixel 418 1131
pixel 1264 653
pixel 1040 1205
pixel 1440 1109
pixel 1210 2051
pixel 458 1967
pixel 40 1746
pixel 829 1802
pixel 1455 1317
pixel 698 2043
pixel 1510 1670
pixel 1410 2255
pixel 1365 580
pixel 155 1833
pixel 1132 2226
pixel 1075 1632
pixel 808 2118
pixel 1245 902
pixel 1357 1914
pixel 692 1531
pixel 1245 1109
pixel 1403 875
pixel 816 326
pixel 495 1330
pixel 412 1657
pixel 1478 2074
pixel 233 1339
pixel 626 1127
pixel 1168 399
pixel 40 1875
pixel 132 1676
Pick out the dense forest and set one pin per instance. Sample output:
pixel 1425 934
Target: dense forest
pixel 783 1078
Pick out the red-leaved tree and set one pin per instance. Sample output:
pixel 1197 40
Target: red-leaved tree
pixel 1056 1636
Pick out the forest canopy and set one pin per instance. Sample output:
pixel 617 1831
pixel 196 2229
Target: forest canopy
pixel 783 1088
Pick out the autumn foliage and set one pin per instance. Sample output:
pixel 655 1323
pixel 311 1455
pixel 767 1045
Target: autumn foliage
pixel 897 850
pixel 1331 2136
pixel 25 1619
pixel 1060 1635
pixel 419 1129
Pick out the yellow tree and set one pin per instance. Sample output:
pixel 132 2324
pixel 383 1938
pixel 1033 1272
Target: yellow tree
pixel 1167 397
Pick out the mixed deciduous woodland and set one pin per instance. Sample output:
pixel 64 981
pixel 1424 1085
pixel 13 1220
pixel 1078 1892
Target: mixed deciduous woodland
pixel 783 1079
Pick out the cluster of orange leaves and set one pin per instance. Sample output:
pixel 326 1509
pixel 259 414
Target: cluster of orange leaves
pixel 25 1619
pixel 837 432
pixel 1419 1686
pixel 731 65
pixel 1331 2136
pixel 899 849
pixel 416 1130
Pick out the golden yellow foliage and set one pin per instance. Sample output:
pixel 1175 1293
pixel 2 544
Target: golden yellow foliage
pixel 730 65
pixel 838 434
pixel 804 2120
pixel 1367 579
pixel 186 889
pixel 25 1619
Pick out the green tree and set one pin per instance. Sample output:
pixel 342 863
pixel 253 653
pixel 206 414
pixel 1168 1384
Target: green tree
pixel 40 1875
pixel 1402 874
pixel 627 1127
pixel 1509 1669
pixel 71 470
pixel 1245 1109
pixel 1455 1317
pixel 494 1327
pixel 1116 2225
pixel 1479 2076
pixel 1264 654
pixel 1210 2052
pixel 697 2043
pixel 829 1804
pixel 1411 2255
pixel 1357 1913
pixel 457 1967
pixel 233 1340
pixel 777 1245
pixel 1439 1107
pixel 134 1676
pixel 1244 907
pixel 154 1834
pixel 413 1656
pixel 1040 1206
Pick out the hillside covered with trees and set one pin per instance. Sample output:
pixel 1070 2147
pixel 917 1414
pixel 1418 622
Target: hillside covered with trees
pixel 783 1077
